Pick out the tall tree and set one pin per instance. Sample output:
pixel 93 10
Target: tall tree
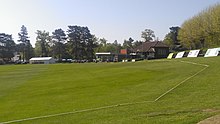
pixel 128 44
pixel 74 40
pixel 101 45
pixel 25 42
pixel 171 39
pixel 81 42
pixel 42 43
pixel 7 48
pixel 29 51
pixel 91 44
pixel 103 41
pixel 148 35
pixel 174 34
pixel 117 46
pixel 58 39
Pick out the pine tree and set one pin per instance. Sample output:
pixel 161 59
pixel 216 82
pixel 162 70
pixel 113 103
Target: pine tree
pixel 25 43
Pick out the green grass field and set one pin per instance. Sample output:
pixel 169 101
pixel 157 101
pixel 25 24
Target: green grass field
pixel 28 91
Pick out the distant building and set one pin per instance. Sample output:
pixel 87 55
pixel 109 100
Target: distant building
pixel 151 50
pixel 42 60
pixel 110 57
pixel 125 51
pixel 147 50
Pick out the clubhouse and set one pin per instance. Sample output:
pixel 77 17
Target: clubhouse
pixel 147 50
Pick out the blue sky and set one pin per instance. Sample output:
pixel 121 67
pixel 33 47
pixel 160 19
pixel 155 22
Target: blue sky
pixel 111 19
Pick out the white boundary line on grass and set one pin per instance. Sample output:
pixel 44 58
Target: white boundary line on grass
pixel 205 67
pixel 117 105
pixel 74 112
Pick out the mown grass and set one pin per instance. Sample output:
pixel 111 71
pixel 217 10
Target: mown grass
pixel 37 90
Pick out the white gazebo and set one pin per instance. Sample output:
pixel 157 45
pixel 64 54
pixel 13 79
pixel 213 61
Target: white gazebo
pixel 42 60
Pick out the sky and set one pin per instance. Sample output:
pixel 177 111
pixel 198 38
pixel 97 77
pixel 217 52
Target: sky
pixel 109 19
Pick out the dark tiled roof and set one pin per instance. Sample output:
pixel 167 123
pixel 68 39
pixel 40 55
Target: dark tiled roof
pixel 146 46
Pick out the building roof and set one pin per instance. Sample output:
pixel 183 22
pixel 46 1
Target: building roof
pixel 104 53
pixel 40 58
pixel 148 46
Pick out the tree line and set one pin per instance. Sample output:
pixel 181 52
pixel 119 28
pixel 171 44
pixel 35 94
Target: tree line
pixel 7 47
pixel 76 43
pixel 202 31
pixel 199 32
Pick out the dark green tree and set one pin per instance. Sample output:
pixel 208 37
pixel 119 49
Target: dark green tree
pixel 42 43
pixel 171 39
pixel 128 44
pixel 58 39
pixel 81 42
pixel 7 50
pixel 148 35
pixel 91 44
pixel 29 51
pixel 25 45
pixel 101 45
pixel 103 42
pixel 74 41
